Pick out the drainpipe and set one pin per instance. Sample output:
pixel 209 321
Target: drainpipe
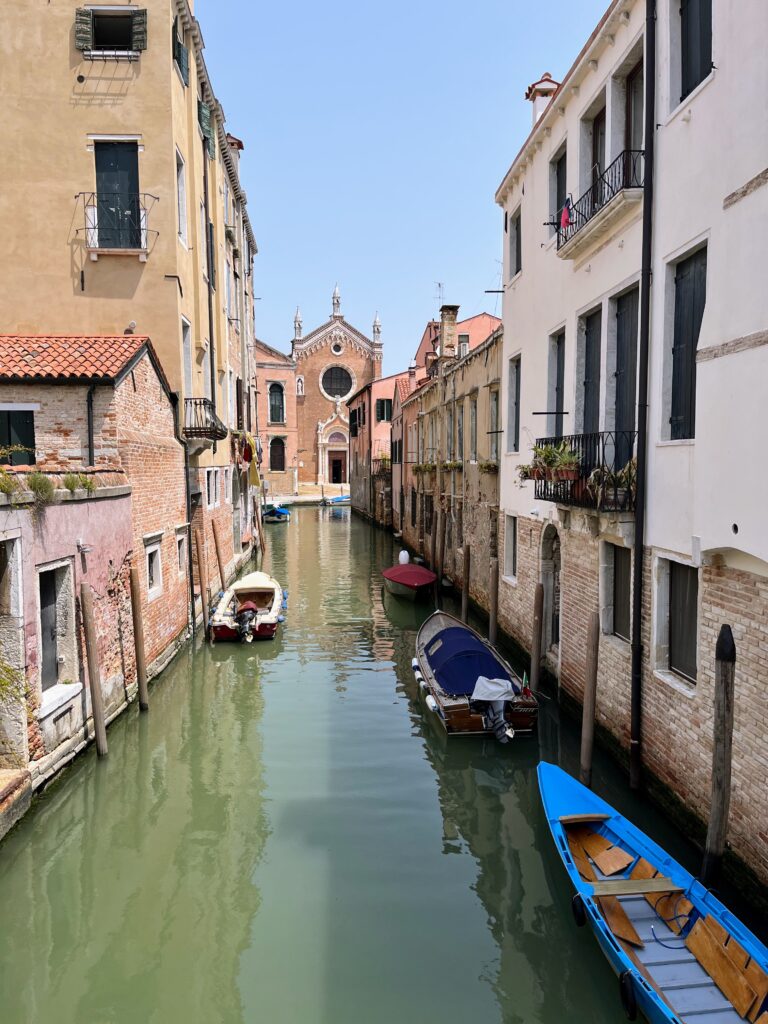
pixel 635 748
pixel 177 406
pixel 211 263
pixel 89 406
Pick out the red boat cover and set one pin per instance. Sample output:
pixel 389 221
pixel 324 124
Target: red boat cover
pixel 412 576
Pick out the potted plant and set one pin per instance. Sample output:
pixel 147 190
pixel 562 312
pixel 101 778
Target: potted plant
pixel 545 458
pixel 525 472
pixel 568 463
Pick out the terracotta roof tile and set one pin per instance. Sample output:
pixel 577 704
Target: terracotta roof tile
pixel 67 356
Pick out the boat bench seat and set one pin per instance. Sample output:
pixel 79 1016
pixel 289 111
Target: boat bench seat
pixel 739 978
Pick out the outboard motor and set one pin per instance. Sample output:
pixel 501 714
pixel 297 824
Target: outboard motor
pixel 245 617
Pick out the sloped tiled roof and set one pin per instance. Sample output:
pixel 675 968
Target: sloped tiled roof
pixel 403 387
pixel 69 357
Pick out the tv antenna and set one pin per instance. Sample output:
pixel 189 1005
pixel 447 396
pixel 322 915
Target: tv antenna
pixel 440 290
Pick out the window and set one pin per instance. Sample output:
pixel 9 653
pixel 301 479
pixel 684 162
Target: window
pixel 513 406
pixel 181 553
pixel 336 382
pixel 116 218
pixel 231 398
pixel 181 196
pixel 591 370
pixel 206 369
pixel 17 430
pixel 353 423
pixel 515 244
pixel 180 53
pixel 510 546
pixel 277 455
pixel 493 434
pixel 276 403
pixel 154 571
pixel 557 187
pixel 460 432
pixel 622 577
pixel 206 121
pixel 555 405
pixel 695 43
pixel 383 410
pixel 228 485
pixel 463 345
pixel 635 125
pixel 186 348
pixel 683 616
pixel 58 646
pixel 212 487
pixel 473 428
pixel 690 297
pixel 110 32
pixel 203 235
pixel 429 508
pixel 413 507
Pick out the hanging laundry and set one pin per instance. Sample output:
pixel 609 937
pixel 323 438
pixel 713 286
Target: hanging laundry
pixel 565 215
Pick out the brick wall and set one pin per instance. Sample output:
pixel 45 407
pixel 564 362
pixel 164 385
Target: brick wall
pixel 61 424
pixel 154 462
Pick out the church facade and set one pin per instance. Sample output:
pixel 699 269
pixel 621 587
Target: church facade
pixel 302 419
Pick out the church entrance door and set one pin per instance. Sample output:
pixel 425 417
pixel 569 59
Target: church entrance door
pixel 337 467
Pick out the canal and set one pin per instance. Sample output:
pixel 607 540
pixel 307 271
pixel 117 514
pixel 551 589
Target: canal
pixel 284 839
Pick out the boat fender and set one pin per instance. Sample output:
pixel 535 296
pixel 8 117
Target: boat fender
pixel 431 703
pixel 414 664
pixel 628 995
pixel 579 911
pixel 422 684
pixel 281 618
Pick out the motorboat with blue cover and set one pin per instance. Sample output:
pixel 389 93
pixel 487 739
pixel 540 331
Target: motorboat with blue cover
pixel 681 956
pixel 341 499
pixel 276 514
pixel 467 685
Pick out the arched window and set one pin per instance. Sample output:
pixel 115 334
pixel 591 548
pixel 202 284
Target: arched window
pixel 277 455
pixel 276 403
pixel 337 438
pixel 337 382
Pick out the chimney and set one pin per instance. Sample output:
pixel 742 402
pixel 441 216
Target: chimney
pixel 540 93
pixel 412 374
pixel 448 317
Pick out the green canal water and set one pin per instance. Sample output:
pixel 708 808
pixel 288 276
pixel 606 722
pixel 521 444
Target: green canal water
pixel 284 839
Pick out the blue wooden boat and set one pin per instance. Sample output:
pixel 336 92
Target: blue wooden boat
pixel 276 514
pixel 681 956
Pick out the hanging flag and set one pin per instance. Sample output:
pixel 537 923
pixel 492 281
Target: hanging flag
pixel 565 215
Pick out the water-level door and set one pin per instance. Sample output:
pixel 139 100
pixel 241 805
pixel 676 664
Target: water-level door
pixel 48 640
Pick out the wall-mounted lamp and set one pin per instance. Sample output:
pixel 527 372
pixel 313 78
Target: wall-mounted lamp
pixel 82 547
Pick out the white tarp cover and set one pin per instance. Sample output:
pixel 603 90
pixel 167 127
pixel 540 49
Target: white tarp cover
pixel 493 689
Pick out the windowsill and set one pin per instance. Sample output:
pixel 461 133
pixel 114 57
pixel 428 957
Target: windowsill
pixel 95 251
pixel 55 697
pixel 690 97
pixel 516 452
pixel 681 442
pixel 513 280
pixel 618 642
pixel 511 581
pixel 152 595
pixel 683 686
pixel 112 54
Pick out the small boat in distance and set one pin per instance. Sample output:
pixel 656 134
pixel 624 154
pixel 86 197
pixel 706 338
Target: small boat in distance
pixel 276 514
pixel 467 685
pixel 341 499
pixel 411 581
pixel 680 955
pixel 250 609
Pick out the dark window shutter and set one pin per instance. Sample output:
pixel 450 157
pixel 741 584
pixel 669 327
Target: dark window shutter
pixel 683 615
pixel 379 411
pixel 248 407
pixel 139 33
pixel 695 43
pixel 592 373
pixel 239 401
pixel 559 382
pixel 506 222
pixel 211 256
pixel 181 56
pixel 622 574
pixel 204 118
pixel 83 29
pixel 690 298
pixel 388 409
pixel 518 243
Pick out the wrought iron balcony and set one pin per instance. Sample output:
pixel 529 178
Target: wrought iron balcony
pixel 117 222
pixel 605 480
pixel 200 420
pixel 624 178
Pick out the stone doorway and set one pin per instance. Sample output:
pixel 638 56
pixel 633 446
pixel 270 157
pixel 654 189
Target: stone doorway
pixel 550 578
pixel 337 467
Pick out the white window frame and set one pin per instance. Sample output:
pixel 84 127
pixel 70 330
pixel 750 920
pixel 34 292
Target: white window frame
pixel 227 485
pixel 181 198
pixel 182 558
pixel 154 548
pixel 203 241
pixel 212 487
pixel 660 623
pixel 511 528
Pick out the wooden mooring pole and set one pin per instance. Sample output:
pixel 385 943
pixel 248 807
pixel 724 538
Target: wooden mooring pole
pixel 138 639
pixel 493 585
pixel 441 531
pixel 94 676
pixel 538 615
pixel 465 584
pixel 590 697
pixel 433 541
pixel 725 671
pixel 219 556
pixel 201 579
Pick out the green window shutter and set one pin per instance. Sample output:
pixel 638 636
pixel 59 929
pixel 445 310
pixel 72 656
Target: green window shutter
pixel 206 126
pixel 139 34
pixel 83 29
pixel 379 411
pixel 212 256
pixel 212 145
pixel 184 63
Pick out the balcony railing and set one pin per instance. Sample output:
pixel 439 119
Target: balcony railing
pixel 200 420
pixel 117 221
pixel 626 172
pixel 605 480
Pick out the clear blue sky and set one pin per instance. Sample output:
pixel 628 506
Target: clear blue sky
pixel 375 138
